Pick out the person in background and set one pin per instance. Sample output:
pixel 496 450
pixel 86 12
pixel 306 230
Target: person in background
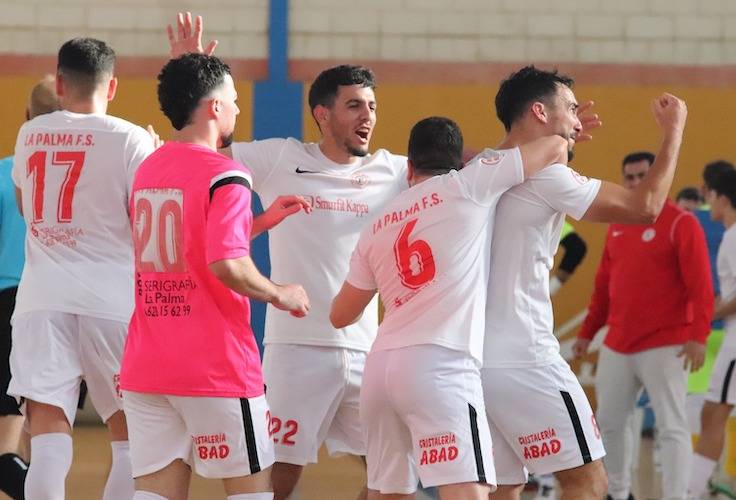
pixel 13 467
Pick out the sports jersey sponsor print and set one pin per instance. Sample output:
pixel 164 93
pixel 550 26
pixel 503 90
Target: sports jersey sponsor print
pixel 159 248
pixel 211 446
pixel 438 448
pixel 540 444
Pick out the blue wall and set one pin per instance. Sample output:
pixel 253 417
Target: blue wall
pixel 277 112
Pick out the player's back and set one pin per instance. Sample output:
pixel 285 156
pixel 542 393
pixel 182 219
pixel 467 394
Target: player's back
pixel 188 203
pixel 74 172
pixel 429 254
pixel 530 217
pixel 313 249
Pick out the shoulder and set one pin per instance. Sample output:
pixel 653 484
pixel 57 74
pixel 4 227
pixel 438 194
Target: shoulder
pixel 383 156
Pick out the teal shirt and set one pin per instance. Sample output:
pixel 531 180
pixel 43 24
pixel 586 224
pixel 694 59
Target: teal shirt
pixel 12 230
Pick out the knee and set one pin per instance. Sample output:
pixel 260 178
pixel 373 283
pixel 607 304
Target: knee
pixel 588 481
pixel 284 478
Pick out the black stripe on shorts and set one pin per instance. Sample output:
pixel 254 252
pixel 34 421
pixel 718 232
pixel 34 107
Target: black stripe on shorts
pixel 229 180
pixel 579 434
pixel 476 444
pixel 727 382
pixel 250 436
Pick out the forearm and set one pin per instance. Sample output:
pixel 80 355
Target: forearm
pixel 242 276
pixel 260 225
pixel 725 309
pixel 649 197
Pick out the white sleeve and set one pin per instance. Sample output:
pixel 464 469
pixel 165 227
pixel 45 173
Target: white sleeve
pixel 260 157
pixel 565 190
pixel 18 172
pixel 492 173
pixel 360 274
pixel 138 147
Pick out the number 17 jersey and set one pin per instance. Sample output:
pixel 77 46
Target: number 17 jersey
pixel 74 172
pixel 428 255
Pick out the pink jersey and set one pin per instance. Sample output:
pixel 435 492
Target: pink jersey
pixel 190 335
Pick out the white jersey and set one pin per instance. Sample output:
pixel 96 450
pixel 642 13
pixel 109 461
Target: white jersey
pixel 428 255
pixel 314 249
pixel 75 172
pixel 726 265
pixel 519 320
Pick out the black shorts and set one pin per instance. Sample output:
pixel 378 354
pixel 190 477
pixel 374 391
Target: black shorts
pixel 8 404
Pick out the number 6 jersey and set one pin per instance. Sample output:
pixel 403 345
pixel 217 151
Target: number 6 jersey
pixel 428 255
pixel 74 172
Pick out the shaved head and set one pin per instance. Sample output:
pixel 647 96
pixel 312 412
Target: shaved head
pixel 43 98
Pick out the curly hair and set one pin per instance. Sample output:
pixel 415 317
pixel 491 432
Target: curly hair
pixel 184 81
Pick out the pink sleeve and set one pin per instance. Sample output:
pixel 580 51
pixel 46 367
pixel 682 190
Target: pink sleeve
pixel 229 223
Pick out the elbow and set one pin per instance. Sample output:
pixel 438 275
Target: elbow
pixel 338 321
pixel 647 213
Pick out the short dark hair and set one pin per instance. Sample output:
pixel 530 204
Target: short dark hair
pixel 724 184
pixel 436 146
pixel 714 169
pixel 85 63
pixel 689 193
pixel 325 87
pixel 637 157
pixel 524 87
pixel 184 81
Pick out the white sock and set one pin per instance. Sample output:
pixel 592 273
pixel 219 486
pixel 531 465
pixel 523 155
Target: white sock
pixel 52 458
pixel 264 495
pixel 701 470
pixel 120 485
pixel 147 495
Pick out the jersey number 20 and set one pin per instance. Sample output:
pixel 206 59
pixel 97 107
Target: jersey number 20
pixel 414 259
pixel 158 232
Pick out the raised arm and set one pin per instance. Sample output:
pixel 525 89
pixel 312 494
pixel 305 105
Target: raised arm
pixel 643 204
pixel 184 39
pixel 537 154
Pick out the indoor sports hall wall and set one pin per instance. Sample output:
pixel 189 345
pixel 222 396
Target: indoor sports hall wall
pixel 442 57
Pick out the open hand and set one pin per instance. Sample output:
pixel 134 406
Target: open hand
pixel 185 41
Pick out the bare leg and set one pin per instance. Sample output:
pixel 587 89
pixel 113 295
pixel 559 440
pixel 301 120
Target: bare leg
pixel 284 478
pixel 171 482
pixel 587 482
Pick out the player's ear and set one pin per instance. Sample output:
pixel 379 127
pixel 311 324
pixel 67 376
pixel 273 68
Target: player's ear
pixel 112 88
pixel 409 171
pixel 539 111
pixel 59 84
pixel 321 114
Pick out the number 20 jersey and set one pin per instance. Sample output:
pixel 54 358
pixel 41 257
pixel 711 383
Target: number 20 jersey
pixel 75 172
pixel 428 255
pixel 190 335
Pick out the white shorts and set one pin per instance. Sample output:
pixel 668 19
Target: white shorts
pixel 53 351
pixel 722 386
pixel 219 437
pixel 314 395
pixel 424 418
pixel 541 421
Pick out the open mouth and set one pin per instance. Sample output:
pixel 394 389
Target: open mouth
pixel 363 134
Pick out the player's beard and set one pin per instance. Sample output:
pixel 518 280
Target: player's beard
pixel 226 140
pixel 355 151
pixel 570 154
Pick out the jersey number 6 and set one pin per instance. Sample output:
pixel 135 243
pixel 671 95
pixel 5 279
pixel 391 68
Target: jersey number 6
pixel 414 259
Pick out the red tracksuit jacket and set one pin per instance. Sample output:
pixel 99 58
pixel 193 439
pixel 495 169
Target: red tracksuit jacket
pixel 653 284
